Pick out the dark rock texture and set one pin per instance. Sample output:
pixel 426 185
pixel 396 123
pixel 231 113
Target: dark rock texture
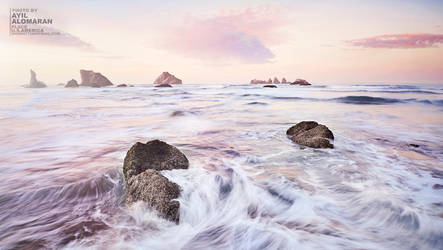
pixel 163 85
pixel 71 84
pixel 145 183
pixel 156 190
pixel 166 78
pixel 311 134
pixel 270 86
pixel 33 83
pixel 93 79
pixel 156 155
pixel 122 85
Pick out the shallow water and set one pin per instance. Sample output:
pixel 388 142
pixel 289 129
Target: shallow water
pixel 248 186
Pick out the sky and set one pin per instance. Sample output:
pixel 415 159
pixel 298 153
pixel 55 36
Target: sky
pixel 327 42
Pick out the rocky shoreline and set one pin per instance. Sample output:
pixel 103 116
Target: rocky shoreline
pixel 144 162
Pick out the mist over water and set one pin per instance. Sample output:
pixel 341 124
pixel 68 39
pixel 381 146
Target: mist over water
pixel 248 185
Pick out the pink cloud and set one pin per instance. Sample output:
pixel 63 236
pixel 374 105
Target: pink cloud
pixel 402 41
pixel 243 36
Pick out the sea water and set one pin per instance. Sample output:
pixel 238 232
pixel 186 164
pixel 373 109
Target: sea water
pixel 248 186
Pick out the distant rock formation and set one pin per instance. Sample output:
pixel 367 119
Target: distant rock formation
pixel 122 85
pixel 311 134
pixel 255 81
pixel 283 80
pixel 276 81
pixel 93 79
pixel 33 83
pixel 163 85
pixel 269 80
pixel 301 82
pixel 269 86
pixel 71 84
pixel 144 182
pixel 166 78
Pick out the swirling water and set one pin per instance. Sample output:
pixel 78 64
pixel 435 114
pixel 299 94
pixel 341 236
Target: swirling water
pixel 248 185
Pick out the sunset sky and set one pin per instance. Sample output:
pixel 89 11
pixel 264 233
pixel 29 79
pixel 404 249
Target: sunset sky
pixel 347 41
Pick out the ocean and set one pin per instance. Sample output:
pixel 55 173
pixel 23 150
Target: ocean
pixel 248 185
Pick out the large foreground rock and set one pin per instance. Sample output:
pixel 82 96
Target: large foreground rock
pixel 93 79
pixel 156 190
pixel 33 83
pixel 156 155
pixel 145 183
pixel 311 134
pixel 166 78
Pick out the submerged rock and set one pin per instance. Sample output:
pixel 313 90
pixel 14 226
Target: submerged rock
pixel 144 182
pixel 33 83
pixel 164 85
pixel 156 190
pixel 311 134
pixel 269 86
pixel 166 78
pixel 93 79
pixel 300 82
pixel 71 84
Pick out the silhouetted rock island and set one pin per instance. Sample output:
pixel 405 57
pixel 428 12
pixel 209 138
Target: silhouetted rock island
pixel 71 84
pixel 33 83
pixel 166 78
pixel 93 79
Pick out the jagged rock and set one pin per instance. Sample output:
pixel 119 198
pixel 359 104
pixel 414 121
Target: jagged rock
pixel 269 86
pixel 71 84
pixel 122 85
pixel 255 81
pixel 156 190
pixel 269 80
pixel 311 134
pixel 300 82
pixel 163 85
pixel 33 83
pixel 93 79
pixel 276 81
pixel 144 181
pixel 166 78
pixel 283 80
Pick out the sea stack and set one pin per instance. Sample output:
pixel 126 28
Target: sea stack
pixel 33 83
pixel 300 82
pixel 144 182
pixel 166 78
pixel 71 84
pixel 269 80
pixel 311 134
pixel 93 79
pixel 255 81
pixel 276 81
pixel 283 80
